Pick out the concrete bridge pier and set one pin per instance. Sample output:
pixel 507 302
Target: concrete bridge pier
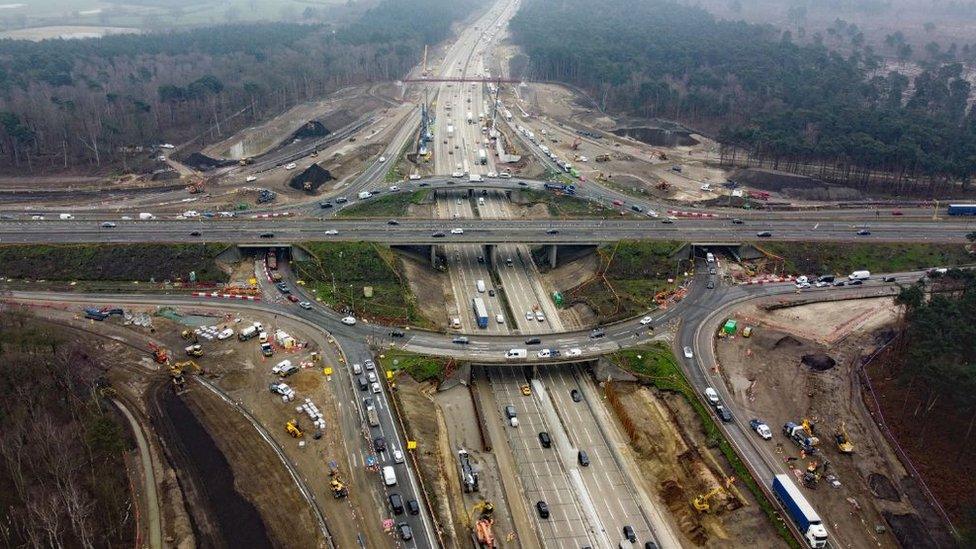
pixel 552 256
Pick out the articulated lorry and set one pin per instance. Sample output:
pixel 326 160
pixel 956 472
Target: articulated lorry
pixel 800 511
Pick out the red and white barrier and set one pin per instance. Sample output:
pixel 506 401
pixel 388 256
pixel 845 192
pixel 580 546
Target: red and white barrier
pixel 271 215
pixel 219 295
pixel 769 280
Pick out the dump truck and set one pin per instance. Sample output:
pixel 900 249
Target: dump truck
pixel 372 416
pixel 800 511
pixel 802 436
pixel 469 478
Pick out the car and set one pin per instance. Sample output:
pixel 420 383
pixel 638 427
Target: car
pixel 397 333
pixel 582 458
pixel 379 444
pixel 413 507
pixel 575 351
pixel 712 396
pixel 293 298
pixel 371 376
pixel 723 413
pixel 888 279
pixel 760 428
pixel 332 232
pixel 108 225
pixel 290 166
pixel 349 320
pixel 864 232
pixel 544 353
pixel 545 440
pixel 650 545
pixel 438 235
pixel 575 395
pixel 688 352
pixel 552 231
pixel 251 178
pixel 539 316
pixel 481 259
pixel 370 365
pixel 667 221
pixel 840 283
pixel 491 292
pixel 855 283
pixel 629 530
pixel 736 221
pixel 460 340
pixel 764 234
pixel 325 205
pixel 406 533
pixel 529 315
pixel 646 320
pixel 394 188
pixel 598 333
pixel 710 284
pixel 533 340
pixel 267 235
pixel 375 387
pixel 195 233
pixel 542 508
pixel 382 159
pixel 393 222
pixel 802 285
pixel 341 200
pixel 457 231
pixel 526 389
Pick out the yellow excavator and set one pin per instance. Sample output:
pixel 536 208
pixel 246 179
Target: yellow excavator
pixel 482 516
pixel 292 429
pixel 176 373
pixel 338 487
pixel 700 503
pixel 844 444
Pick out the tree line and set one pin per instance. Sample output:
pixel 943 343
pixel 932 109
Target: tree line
pixel 93 103
pixel 768 100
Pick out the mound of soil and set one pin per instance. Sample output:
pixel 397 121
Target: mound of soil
pixel 882 487
pixel 312 128
pixel 202 162
pixel 797 186
pixel 165 175
pixel 909 530
pixel 658 137
pixel 311 179
pixel 787 341
pixel 819 362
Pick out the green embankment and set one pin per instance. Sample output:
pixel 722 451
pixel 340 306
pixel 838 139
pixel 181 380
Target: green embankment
pixel 842 258
pixel 656 365
pixel 390 205
pixel 561 205
pixel 115 262
pixel 338 272
pixel 634 273
pixel 420 367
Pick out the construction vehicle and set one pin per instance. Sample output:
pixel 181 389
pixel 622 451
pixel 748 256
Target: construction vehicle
pixel 484 510
pixel 844 444
pixel 602 158
pixel 469 477
pixel 802 435
pixel 245 161
pixel 159 354
pixel 189 335
pixel 194 350
pixel 336 484
pixel 292 429
pixel 176 374
pixel 700 503
pixel 576 143
pixel 195 187
pixel 662 185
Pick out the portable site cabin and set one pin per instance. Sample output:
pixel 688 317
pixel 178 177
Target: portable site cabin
pixel 729 327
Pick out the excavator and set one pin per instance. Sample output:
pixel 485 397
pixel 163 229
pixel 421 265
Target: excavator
pixel 292 429
pixel 176 374
pixel 338 487
pixel 844 444
pixel 159 354
pixel 700 503
pixel 483 525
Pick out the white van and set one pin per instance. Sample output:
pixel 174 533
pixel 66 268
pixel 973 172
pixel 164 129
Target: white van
pixel 357 368
pixel 513 354
pixel 145 216
pixel 709 257
pixel 859 275
pixel 364 195
pixel 66 216
pixel 389 475
pixel 481 286
pixel 281 366
pixel 500 318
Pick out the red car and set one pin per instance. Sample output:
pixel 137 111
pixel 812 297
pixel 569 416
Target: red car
pixel 896 212
pixel 292 298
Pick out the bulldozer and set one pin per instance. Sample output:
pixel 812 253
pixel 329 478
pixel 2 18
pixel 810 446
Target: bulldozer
pixel 844 444
pixel 292 429
pixel 159 354
pixel 194 350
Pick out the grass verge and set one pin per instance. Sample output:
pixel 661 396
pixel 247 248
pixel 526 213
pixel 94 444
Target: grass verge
pixel 339 271
pixel 116 262
pixel 419 367
pixel 656 364
pixel 837 258
pixel 391 205
pixel 561 205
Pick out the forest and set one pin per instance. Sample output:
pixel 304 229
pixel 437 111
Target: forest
pixel 767 99
pixel 93 104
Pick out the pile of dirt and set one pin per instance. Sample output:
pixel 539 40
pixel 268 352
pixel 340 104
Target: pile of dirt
pixel 311 179
pixel 819 362
pixel 786 341
pixel 658 137
pixel 797 186
pixel 312 128
pixel 909 530
pixel 165 174
pixel 204 163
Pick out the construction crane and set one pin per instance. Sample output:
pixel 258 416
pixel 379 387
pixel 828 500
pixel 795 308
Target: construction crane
pixel 159 354
pixel 292 429
pixel 844 444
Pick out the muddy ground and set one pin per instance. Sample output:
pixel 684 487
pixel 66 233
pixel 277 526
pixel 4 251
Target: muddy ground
pixel 677 464
pixel 767 378
pixel 431 287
